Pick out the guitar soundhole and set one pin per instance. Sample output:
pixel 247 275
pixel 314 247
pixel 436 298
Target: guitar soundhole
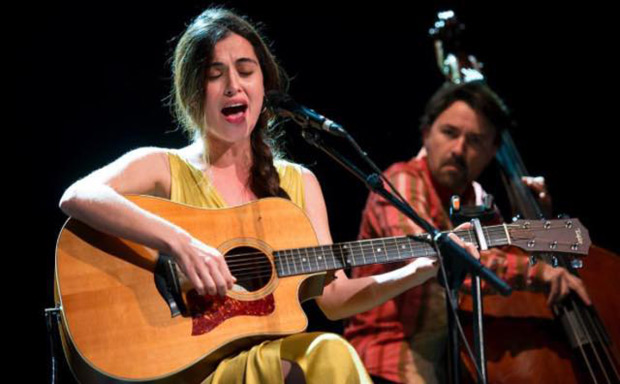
pixel 251 267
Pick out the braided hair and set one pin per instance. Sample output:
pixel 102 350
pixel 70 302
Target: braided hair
pixel 193 54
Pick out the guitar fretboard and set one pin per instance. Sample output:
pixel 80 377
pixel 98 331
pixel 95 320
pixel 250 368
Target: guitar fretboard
pixel 301 261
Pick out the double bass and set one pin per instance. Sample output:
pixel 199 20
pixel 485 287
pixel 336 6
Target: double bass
pixel 569 342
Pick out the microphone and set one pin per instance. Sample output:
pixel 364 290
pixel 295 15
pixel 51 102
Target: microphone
pixel 284 105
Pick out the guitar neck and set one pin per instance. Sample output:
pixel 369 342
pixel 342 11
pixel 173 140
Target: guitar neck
pixel 349 254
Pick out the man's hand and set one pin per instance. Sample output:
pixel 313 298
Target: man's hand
pixel 561 283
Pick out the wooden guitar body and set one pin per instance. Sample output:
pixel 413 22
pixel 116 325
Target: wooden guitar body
pixel 117 327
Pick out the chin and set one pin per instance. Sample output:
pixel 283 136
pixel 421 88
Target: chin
pixel 452 181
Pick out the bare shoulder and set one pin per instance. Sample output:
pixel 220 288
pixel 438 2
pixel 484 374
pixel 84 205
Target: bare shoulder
pixel 143 170
pixel 312 188
pixel 309 178
pixel 315 206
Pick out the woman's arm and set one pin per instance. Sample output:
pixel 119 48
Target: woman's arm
pixel 344 297
pixel 97 201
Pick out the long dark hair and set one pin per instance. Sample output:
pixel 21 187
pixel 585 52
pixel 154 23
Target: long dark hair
pixel 193 54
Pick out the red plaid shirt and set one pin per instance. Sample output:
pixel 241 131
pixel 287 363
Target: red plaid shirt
pixel 404 339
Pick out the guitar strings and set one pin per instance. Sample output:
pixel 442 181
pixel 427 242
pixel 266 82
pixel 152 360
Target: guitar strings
pixel 262 268
pixel 491 232
pixel 391 251
pixel 267 270
pixel 366 242
pixel 336 251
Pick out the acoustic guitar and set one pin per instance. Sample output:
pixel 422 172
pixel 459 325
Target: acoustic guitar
pixel 128 315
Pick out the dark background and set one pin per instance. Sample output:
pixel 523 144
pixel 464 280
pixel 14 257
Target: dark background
pixel 92 78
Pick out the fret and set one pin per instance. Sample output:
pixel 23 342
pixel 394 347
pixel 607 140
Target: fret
pixel 507 235
pixel 374 254
pixel 396 250
pixel 281 263
pixel 388 257
pixel 489 237
pixel 399 256
pixel 499 237
pixel 344 247
pixel 323 258
pixel 307 266
pixel 470 237
pixel 417 248
pixel 432 252
pixel 377 250
pixel 402 247
pixel 409 243
pixel 295 258
pixel 278 259
pixel 485 231
pixel 316 258
pixel 333 255
pixel 288 266
pixel 350 257
pixel 362 248
pixel 350 254
pixel 425 247
pixel 386 251
pixel 492 238
pixel 391 253
pixel 363 255
pixel 304 260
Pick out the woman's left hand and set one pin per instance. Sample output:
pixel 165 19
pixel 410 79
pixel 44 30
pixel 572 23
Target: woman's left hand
pixel 469 247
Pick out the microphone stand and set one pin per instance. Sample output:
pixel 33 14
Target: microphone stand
pixel 454 263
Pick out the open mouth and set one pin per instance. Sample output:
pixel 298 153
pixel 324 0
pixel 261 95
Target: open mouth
pixel 234 110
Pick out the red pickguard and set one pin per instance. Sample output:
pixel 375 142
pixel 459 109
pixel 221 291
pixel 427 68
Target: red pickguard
pixel 210 311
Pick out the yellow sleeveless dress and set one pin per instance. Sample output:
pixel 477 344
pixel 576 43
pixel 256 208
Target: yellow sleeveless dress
pixel 323 357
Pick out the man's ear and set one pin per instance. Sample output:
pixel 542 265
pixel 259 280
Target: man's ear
pixel 425 131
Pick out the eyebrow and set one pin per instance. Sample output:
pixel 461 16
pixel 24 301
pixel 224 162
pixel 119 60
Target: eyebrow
pixel 242 60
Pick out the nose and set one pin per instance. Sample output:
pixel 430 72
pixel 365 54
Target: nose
pixel 459 147
pixel 233 84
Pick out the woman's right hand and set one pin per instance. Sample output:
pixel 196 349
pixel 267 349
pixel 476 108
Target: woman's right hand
pixel 97 201
pixel 204 265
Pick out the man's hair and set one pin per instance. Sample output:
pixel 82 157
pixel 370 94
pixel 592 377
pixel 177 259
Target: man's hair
pixel 478 96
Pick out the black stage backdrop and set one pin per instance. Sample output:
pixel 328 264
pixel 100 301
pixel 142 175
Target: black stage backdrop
pixel 92 78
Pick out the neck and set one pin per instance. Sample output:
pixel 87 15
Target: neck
pixel 225 155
